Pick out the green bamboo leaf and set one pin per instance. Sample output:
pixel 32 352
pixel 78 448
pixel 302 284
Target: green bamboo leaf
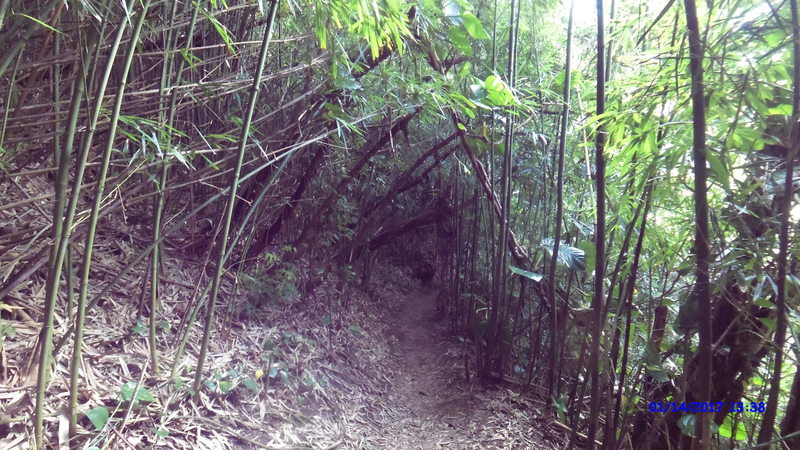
pixel 719 170
pixel 41 23
pixel 537 277
pixel 222 31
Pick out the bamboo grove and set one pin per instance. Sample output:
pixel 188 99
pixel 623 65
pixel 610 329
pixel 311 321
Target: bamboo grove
pixel 611 195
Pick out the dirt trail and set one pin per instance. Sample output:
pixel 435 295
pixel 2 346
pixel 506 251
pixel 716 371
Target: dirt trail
pixel 431 403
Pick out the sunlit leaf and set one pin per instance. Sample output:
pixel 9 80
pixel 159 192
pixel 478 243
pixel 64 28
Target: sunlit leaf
pixel 726 429
pixel 40 23
pixel 452 10
pixel 473 26
pixel 460 39
pixel 537 277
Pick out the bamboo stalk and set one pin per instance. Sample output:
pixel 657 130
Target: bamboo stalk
pixel 232 196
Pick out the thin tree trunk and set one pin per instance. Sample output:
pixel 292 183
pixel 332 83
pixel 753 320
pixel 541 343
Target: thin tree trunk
pixel 599 237
pixel 702 291
pixel 768 423
pixel 551 278
pixel 232 195
pixel 61 240
pixel 92 228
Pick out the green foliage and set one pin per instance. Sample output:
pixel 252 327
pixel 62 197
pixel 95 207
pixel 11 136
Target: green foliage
pixel 383 24
pixel 131 388
pixel 98 416
pixel 729 430
pixel 570 256
pixel 537 277
pixel 273 282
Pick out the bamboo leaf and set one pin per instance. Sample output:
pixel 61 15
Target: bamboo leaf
pixel 41 23
pixel 222 31
pixel 718 169
pixel 537 277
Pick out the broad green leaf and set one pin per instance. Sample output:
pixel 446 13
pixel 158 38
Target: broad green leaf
pixel 160 433
pixel 460 39
pixel 784 109
pixel 572 257
pixel 99 417
pixel 473 26
pixel 775 37
pixel 537 277
pixel 589 250
pixel 497 91
pixel 463 71
pixel 770 323
pixel 657 373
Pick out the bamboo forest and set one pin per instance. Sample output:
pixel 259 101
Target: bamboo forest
pixel 399 224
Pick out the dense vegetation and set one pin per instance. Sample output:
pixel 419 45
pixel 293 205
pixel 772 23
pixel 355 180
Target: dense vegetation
pixel 609 196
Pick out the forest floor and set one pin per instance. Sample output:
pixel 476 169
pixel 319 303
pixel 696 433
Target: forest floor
pixel 431 403
pixel 338 367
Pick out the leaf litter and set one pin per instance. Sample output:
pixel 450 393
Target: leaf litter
pixel 323 370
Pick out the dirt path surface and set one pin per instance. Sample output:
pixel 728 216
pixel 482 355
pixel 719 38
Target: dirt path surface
pixel 430 400
pixel 431 404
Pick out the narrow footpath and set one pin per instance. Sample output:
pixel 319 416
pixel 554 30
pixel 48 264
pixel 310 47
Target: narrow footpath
pixel 431 404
